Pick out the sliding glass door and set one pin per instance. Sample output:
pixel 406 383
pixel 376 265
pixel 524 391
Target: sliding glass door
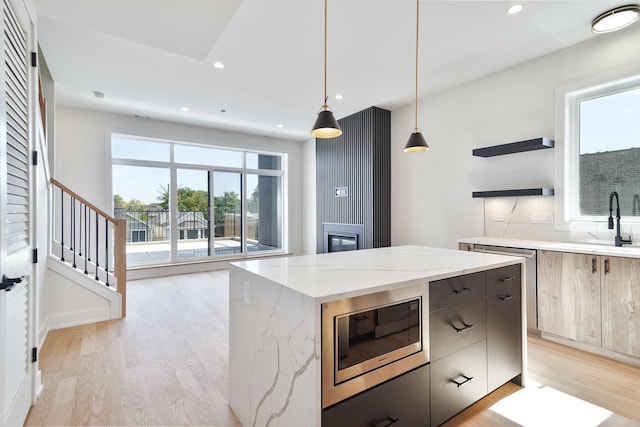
pixel 193 215
pixel 191 202
pixel 227 212
pixel 136 191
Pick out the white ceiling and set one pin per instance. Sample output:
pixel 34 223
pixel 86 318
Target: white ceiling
pixel 152 57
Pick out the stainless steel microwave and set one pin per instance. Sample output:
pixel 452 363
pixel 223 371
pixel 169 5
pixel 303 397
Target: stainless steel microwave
pixel 369 339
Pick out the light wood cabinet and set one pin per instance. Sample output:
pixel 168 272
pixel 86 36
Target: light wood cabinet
pixel 569 296
pixel 469 247
pixel 590 299
pixel 621 305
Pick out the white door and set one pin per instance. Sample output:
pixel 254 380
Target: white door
pixel 15 202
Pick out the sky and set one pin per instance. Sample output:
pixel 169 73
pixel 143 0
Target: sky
pixel 610 123
pixel 146 183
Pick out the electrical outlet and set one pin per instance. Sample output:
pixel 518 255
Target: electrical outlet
pixel 541 218
pixel 497 217
pixel 247 292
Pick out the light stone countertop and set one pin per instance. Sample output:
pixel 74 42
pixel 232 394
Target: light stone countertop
pixel 607 249
pixel 327 277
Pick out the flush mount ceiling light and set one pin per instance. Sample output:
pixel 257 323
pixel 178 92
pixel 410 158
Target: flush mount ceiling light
pixel 326 125
pixel 219 65
pixel 416 143
pixel 615 19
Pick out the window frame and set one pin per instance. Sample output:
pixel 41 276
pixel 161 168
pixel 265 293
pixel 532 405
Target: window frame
pixel 173 167
pixel 567 146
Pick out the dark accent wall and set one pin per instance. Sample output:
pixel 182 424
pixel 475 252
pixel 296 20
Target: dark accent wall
pixel 360 160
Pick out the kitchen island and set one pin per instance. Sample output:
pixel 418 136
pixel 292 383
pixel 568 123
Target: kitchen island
pixel 275 320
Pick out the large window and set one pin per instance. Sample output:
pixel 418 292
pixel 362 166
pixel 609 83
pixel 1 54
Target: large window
pixel 602 152
pixel 185 202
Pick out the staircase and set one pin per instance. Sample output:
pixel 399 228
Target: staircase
pixel 88 244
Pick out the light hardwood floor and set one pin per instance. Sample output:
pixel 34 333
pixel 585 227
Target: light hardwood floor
pixel 166 364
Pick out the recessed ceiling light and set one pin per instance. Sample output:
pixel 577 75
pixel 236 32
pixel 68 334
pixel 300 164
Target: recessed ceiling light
pixel 280 126
pixel 185 108
pixel 219 65
pixel 615 19
pixel 98 94
pixel 516 8
pixel 339 97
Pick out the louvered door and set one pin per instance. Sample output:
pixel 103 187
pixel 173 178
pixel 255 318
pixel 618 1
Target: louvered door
pixel 15 246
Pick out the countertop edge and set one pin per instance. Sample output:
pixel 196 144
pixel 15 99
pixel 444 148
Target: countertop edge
pixel 318 281
pixel 574 247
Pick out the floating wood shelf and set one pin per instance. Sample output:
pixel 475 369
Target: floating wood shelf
pixel 515 193
pixel 514 147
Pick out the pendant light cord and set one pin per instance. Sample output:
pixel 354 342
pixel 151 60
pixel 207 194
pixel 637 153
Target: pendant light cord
pixel 325 106
pixel 417 28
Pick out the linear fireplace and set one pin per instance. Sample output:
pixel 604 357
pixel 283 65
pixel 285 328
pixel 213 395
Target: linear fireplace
pixel 342 237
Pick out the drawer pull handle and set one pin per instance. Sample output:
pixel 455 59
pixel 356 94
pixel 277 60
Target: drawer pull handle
pixel 458 330
pixel 461 291
pixel 506 279
pixel 462 383
pixel 506 297
pixel 593 265
pixel 389 422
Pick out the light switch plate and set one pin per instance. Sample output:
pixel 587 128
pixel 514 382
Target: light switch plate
pixel 497 217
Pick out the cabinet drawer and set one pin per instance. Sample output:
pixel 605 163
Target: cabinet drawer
pixel 504 282
pixel 457 381
pixel 405 398
pixel 451 329
pixel 456 290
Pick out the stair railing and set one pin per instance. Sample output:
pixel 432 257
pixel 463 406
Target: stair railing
pixel 89 239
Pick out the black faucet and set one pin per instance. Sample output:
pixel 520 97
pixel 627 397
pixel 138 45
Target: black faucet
pixel 619 240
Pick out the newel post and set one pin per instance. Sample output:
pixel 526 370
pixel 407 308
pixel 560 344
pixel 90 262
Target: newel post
pixel 120 258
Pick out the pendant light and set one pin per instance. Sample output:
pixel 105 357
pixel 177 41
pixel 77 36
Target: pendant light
pixel 326 125
pixel 416 143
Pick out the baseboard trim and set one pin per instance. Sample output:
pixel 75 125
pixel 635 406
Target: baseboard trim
pixel 77 318
pixel 630 360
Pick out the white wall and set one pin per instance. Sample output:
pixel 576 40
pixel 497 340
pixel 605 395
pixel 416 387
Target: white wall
pixel 309 245
pixel 431 192
pixel 74 299
pixel 83 162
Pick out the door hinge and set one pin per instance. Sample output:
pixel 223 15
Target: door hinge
pixel 35 256
pixel 34 354
pixel 34 59
pixel 34 158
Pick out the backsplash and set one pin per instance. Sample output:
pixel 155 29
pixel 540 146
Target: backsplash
pixel 533 218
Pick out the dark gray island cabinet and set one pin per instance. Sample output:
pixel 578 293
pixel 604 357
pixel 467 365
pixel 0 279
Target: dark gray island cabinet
pixel 458 316
pixel 475 340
